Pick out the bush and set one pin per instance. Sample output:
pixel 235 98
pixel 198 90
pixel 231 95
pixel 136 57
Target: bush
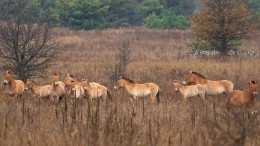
pixel 167 19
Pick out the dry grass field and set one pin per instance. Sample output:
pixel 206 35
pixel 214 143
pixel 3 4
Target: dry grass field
pixel 156 56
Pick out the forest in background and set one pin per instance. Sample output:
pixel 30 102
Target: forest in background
pixel 99 14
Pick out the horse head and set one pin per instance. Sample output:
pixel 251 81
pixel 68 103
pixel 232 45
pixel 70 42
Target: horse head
pixel 69 80
pixel 176 84
pixel 121 82
pixel 8 77
pixel 252 87
pixel 192 77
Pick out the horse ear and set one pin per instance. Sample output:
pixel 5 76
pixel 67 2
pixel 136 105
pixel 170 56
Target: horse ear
pixel 191 72
pixel 84 80
pixel 252 82
pixel 9 72
pixel 120 77
pixel 68 75
pixel 175 81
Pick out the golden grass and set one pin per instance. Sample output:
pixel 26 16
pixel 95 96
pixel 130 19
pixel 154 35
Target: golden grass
pixel 89 54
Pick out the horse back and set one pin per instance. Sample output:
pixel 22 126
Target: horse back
pixel 46 89
pixel 94 84
pixel 239 98
pixel 201 87
pixel 20 86
pixel 229 86
pixel 152 87
pixel 219 86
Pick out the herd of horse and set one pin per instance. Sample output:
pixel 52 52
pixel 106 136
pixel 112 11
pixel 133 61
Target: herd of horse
pixel 194 84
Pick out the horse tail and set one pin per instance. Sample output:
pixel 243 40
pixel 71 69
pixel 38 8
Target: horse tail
pixel 109 95
pixel 158 96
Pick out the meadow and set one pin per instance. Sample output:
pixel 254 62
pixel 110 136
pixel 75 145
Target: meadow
pixel 158 56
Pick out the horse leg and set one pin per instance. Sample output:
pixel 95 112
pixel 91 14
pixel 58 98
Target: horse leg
pixel 104 97
pixel 90 100
pixel 153 98
pixel 202 95
pixel 131 99
pixel 185 98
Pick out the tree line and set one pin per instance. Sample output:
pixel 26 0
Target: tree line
pixel 99 14
pixel 27 49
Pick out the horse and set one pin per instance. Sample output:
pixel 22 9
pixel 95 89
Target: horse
pixel 38 91
pixel 57 88
pixel 240 98
pixel 16 87
pixel 190 91
pixel 137 89
pixel 96 91
pixel 72 83
pixel 213 87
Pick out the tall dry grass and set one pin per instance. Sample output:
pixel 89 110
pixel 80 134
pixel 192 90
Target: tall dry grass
pixel 157 56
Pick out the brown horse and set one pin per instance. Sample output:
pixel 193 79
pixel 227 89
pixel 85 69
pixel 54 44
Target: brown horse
pixel 190 91
pixel 38 91
pixel 213 87
pixel 78 90
pixel 96 91
pixel 139 90
pixel 242 98
pixel 57 88
pixel 15 87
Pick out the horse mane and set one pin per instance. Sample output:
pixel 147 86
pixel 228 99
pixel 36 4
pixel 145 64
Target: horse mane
pixel 198 75
pixel 33 82
pixel 72 76
pixel 128 80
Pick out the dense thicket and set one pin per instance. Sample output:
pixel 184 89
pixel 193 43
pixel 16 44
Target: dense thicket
pixel 96 14
pixel 92 14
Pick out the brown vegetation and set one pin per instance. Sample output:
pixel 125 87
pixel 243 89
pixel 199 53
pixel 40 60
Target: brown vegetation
pixel 157 56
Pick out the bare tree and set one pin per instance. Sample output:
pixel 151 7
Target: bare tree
pixel 26 47
pixel 123 57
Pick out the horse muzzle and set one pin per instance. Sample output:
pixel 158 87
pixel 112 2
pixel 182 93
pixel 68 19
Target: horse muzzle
pixel 5 82
pixel 255 93
pixel 26 89
pixel 115 88
pixel 10 93
pixel 55 84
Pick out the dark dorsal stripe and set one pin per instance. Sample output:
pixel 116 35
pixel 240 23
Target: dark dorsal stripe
pixel 128 80
pixel 198 75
